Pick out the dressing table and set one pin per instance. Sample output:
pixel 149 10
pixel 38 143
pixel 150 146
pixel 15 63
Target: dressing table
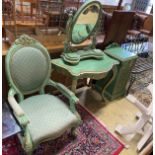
pixel 87 62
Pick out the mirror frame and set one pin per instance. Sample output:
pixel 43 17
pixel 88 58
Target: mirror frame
pixel 76 16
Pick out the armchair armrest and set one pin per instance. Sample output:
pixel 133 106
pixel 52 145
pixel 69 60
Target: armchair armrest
pixel 15 106
pixel 21 116
pixel 67 93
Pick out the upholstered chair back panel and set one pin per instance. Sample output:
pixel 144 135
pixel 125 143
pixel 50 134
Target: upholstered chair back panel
pixel 28 66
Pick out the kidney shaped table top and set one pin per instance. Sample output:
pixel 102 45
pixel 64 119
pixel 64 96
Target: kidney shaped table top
pixel 88 68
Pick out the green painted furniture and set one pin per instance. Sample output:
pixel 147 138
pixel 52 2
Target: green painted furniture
pixel 88 62
pixel 80 27
pixel 28 71
pixel 89 68
pixel 118 87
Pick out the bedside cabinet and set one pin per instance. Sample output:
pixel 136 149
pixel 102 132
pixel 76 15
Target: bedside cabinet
pixel 118 86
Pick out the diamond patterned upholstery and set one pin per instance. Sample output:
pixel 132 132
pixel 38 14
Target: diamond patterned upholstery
pixel 49 116
pixel 29 68
pixel 43 117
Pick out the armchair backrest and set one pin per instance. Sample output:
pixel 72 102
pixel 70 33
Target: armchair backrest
pixel 27 65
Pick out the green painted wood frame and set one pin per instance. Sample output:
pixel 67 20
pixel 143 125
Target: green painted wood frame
pixel 72 21
pixel 25 138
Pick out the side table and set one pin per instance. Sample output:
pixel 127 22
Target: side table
pixel 118 87
pixel 88 68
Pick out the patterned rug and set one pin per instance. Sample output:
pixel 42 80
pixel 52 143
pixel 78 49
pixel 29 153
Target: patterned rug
pixel 92 139
pixel 140 91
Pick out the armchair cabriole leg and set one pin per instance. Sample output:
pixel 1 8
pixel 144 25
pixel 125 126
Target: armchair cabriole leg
pixel 29 153
pixel 73 129
pixel 73 132
pixel 28 144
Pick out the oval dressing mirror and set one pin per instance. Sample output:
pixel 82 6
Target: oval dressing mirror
pixel 81 27
pixel 85 21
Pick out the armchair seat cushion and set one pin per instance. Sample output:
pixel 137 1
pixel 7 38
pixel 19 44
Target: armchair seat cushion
pixel 49 117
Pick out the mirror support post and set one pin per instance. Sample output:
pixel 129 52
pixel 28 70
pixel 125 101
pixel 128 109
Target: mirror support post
pixel 67 41
pixel 95 31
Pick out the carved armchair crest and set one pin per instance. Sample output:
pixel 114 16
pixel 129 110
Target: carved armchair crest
pixel 28 70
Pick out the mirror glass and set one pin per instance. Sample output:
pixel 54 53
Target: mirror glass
pixel 85 23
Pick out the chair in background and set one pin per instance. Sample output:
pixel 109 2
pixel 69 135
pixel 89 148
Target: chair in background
pixel 144 125
pixel 138 43
pixel 147 31
pixel 147 27
pixel 117 29
pixel 28 71
pixel 135 37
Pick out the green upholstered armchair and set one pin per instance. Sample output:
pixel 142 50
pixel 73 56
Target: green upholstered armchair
pixel 44 116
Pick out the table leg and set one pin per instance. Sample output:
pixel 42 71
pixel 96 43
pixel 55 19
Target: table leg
pixel 114 71
pixel 74 84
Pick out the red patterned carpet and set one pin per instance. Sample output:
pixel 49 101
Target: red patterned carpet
pixel 93 139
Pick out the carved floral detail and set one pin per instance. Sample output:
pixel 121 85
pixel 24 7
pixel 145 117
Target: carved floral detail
pixel 25 40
